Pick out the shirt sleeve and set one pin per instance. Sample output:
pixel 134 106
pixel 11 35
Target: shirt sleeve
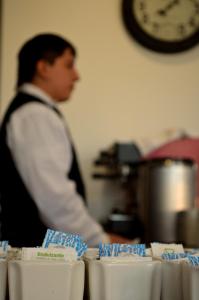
pixel 41 149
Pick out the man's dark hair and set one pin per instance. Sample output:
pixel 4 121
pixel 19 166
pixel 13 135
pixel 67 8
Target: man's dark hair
pixel 43 46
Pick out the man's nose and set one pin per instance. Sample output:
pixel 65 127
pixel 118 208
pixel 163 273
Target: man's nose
pixel 76 75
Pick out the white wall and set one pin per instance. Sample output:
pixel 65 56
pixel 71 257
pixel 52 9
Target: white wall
pixel 125 92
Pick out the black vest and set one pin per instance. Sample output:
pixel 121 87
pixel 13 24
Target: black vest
pixel 20 221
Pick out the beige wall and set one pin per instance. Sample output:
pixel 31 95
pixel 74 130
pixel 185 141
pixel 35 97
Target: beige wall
pixel 125 92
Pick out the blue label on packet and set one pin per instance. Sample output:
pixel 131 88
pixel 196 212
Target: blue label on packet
pixel 172 256
pixel 108 250
pixel 193 260
pixel 4 245
pixel 63 239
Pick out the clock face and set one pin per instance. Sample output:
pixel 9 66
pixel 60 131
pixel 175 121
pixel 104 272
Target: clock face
pixel 163 25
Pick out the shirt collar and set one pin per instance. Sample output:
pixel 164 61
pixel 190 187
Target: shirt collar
pixel 33 90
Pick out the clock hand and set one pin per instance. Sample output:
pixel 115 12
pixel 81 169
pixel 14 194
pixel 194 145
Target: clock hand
pixel 163 12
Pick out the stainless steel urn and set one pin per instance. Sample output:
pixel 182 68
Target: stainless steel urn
pixel 165 187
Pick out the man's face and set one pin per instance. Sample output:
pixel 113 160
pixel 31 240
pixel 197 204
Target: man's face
pixel 61 76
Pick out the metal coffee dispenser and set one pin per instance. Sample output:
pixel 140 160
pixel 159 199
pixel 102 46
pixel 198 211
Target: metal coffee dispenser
pixel 165 186
pixel 158 190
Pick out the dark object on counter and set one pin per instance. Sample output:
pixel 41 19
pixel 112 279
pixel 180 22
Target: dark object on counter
pixel 127 153
pixel 115 162
pixel 128 226
pixel 122 153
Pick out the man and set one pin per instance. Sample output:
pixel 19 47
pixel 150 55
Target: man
pixel 41 185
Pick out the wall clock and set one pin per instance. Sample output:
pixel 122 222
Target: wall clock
pixel 167 26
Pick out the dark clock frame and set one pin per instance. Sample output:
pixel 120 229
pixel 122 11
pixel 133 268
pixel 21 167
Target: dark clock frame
pixel 147 40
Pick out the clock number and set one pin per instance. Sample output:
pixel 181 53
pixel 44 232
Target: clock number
pixel 145 18
pixel 181 30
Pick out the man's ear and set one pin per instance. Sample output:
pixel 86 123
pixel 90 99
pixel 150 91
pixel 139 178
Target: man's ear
pixel 42 68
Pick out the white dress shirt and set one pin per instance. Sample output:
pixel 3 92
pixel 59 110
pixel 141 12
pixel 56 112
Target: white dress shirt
pixel 40 145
